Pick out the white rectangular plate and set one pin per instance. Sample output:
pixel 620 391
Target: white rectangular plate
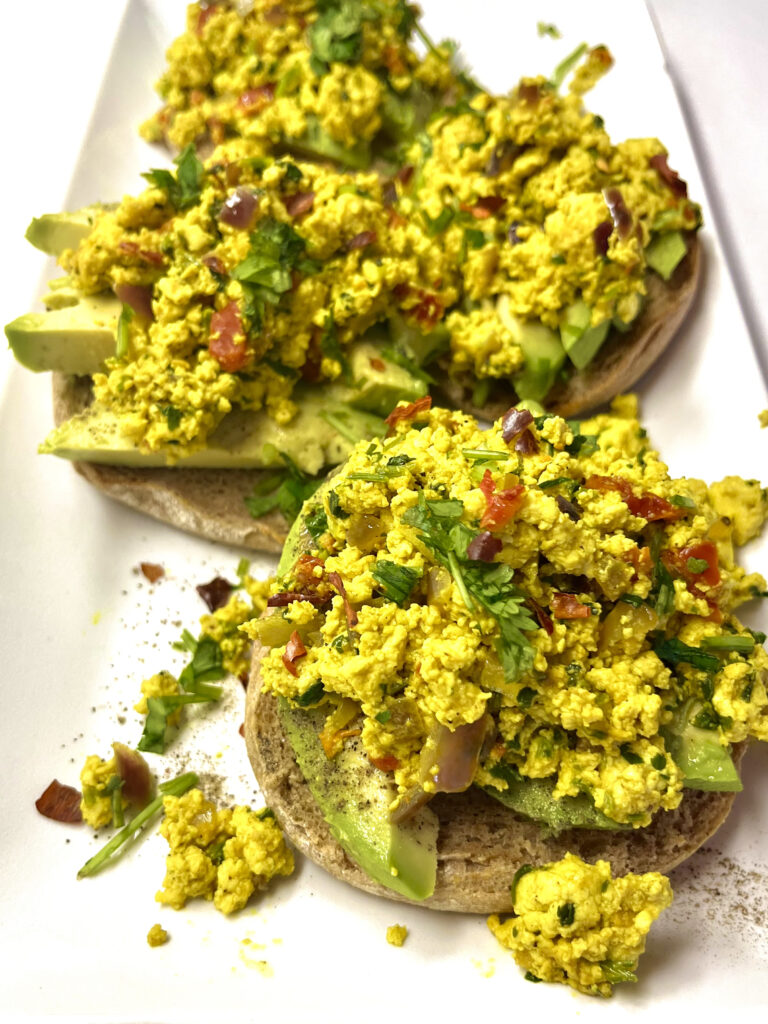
pixel 82 628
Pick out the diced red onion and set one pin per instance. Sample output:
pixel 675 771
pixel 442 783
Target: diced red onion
pixel 214 264
pixel 361 240
pixel 568 508
pixel 620 215
pixel 484 547
pixel 135 773
pixel 239 209
pixel 670 177
pixel 512 235
pixel 404 175
pixel 138 297
pixel 601 234
pixel 526 444
pixel 457 754
pixel 300 203
pixel 338 584
pixel 515 421
pixel 216 592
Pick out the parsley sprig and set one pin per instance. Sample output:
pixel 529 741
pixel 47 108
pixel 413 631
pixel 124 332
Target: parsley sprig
pixel 185 187
pixel 485 584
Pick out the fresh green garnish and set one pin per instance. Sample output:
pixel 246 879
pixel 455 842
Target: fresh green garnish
pixel 437 225
pixel 337 34
pixel 399 358
pixel 632 599
pixel 313 695
pixel 566 914
pixel 674 651
pixel 474 239
pixel 205 667
pixel 330 347
pixel 123 331
pixel 629 755
pixel 286 490
pixel 488 584
pixel 567 65
pixel 397 581
pixel 383 717
pixel 317 523
pixel 545 29
pixel 681 501
pixel 582 445
pixel 185 187
pixel 696 565
pixel 175 787
pixel 154 738
pixel 662 587
pixel 481 455
pixel 334 506
pixel 740 644
pixel 615 971
pixel 520 873
pixel 172 416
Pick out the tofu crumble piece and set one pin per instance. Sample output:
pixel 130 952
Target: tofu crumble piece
pixel 397 934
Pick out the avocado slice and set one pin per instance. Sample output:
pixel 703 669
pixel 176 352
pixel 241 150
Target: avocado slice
pixel 422 348
pixel 379 384
pixel 316 142
pixel 543 351
pixel 55 232
pixel 533 799
pixel 354 798
pixel 581 340
pixel 243 440
pixel 665 252
pixel 704 762
pixel 75 338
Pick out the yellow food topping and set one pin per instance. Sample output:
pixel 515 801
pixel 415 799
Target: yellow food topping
pixel 574 923
pixel 397 934
pixel 220 855
pixel 157 935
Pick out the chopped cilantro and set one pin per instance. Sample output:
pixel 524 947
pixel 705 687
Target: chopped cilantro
pixel 524 869
pixel 154 738
pixel 185 187
pixel 566 914
pixel 290 488
pixel 474 239
pixel 383 717
pixel 629 755
pixel 276 250
pixel 582 445
pixel 634 599
pixel 659 762
pixel 681 501
pixel 696 565
pixel 330 347
pixel 172 416
pixel 436 225
pixel 292 174
pixel 397 581
pixel 317 522
pixel 313 695
pixel 662 587
pixel 337 34
pixel 334 506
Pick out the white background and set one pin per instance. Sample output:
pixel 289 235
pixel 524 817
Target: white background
pixel 79 629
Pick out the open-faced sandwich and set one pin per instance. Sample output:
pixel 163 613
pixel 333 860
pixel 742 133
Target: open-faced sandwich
pixel 255 312
pixel 490 648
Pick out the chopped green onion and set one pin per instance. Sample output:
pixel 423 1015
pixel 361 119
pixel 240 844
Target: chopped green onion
pixel 174 787
pixel 742 644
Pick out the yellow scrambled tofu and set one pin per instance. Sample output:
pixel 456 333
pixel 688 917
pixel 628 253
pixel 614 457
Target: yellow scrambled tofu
pixel 543 605
pixel 575 924
pixel 221 855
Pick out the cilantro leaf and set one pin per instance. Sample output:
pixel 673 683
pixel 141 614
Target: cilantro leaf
pixel 337 35
pixel 276 249
pixel 184 189
pixel 397 581
pixel 291 488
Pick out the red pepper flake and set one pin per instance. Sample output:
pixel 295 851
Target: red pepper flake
pixel 148 255
pixel 404 175
pixel 387 763
pixel 544 620
pixel 407 412
pixel 396 220
pixel 60 803
pixel 216 592
pixel 206 11
pixel 299 204
pixel 670 178
pixel 378 364
pixel 394 61
pixel 226 326
pixel 485 207
pixel 151 571
pixel 294 650
pixel 361 240
pixel 501 506
pixel 252 101
pixel 338 584
pixel 567 606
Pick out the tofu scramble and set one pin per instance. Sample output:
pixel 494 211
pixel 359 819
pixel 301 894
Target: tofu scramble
pixel 337 80
pixel 531 602
pixel 576 924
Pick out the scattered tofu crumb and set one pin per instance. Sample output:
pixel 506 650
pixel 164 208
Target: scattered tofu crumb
pixel 763 417
pixel 157 935
pixel 397 934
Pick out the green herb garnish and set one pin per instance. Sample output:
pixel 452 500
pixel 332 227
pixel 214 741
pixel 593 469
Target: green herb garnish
pixel 123 331
pixel 185 187
pixel 288 490
pixel 397 581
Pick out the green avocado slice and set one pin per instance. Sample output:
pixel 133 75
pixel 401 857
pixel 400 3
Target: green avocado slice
pixel 354 799
pixel 704 762
pixel 74 338
pixel 533 799
pixel 54 232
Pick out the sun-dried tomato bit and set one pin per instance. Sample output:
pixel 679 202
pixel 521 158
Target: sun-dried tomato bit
pixel 338 584
pixel 226 341
pixel 543 619
pixel 646 505
pixel 60 803
pixel 485 207
pixel 151 571
pixel 568 606
pixel 385 763
pixel 216 592
pixel 294 650
pixel 696 563
pixel 408 412
pixel 252 101
pixel 501 506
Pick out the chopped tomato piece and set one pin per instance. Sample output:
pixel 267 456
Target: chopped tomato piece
pixel 226 326
pixel 501 505
pixel 387 763
pixel 702 552
pixel 648 506
pixel 294 650
pixel 61 803
pixel 408 412
pixel 252 101
pixel 568 606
